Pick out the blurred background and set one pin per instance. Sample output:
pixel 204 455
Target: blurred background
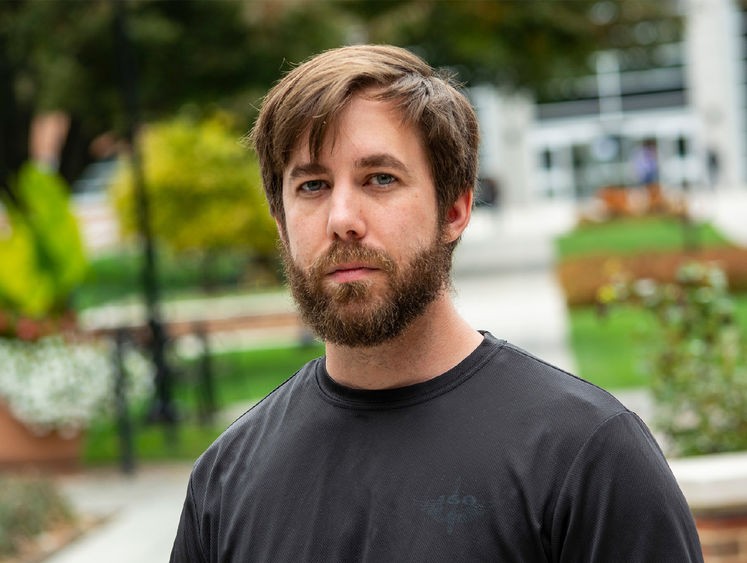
pixel 142 305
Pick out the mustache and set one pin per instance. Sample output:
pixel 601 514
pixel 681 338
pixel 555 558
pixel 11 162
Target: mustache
pixel 340 252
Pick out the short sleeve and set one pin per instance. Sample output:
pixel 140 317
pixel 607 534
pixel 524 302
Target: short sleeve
pixel 187 546
pixel 621 502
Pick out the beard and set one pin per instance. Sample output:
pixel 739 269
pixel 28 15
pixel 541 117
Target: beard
pixel 362 312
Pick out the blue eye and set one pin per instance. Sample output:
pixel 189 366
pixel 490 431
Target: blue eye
pixel 312 186
pixel 382 179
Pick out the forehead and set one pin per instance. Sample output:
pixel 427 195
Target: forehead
pixel 366 123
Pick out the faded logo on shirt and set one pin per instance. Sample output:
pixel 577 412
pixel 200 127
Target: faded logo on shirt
pixel 452 509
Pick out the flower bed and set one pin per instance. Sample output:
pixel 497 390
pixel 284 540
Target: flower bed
pixel 55 386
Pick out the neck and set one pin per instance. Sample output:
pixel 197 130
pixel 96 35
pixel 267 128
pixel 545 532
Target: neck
pixel 434 343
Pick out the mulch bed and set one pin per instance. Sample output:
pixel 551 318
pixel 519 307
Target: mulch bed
pixel 581 277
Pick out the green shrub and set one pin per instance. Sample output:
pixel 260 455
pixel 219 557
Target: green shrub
pixel 27 508
pixel 696 359
pixel 41 252
pixel 204 190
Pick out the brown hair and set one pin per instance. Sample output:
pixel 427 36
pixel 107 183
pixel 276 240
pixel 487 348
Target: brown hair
pixel 311 95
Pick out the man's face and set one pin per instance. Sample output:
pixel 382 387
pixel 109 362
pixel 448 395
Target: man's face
pixel 363 249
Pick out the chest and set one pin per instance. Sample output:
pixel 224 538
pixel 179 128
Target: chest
pixel 405 492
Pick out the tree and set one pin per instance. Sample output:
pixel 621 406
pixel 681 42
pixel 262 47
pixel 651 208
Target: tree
pixel 196 53
pixel 205 191
pixel 205 54
pixel 515 44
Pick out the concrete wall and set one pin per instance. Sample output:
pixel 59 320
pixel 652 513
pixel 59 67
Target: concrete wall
pixel 506 155
pixel 713 34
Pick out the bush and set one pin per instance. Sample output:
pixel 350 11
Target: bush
pixel 27 508
pixel 41 253
pixel 697 363
pixel 204 190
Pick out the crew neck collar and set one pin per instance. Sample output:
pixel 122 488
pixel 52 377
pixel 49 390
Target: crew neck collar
pixel 348 397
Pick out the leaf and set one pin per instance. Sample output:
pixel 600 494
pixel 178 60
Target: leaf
pixel 42 259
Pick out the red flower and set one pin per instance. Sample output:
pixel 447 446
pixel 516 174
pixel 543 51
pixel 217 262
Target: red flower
pixel 27 329
pixel 5 322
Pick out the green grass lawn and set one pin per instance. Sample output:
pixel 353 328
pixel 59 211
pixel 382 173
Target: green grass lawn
pixel 628 236
pixel 116 276
pixel 241 378
pixel 610 351
pixel 252 374
pixel 607 349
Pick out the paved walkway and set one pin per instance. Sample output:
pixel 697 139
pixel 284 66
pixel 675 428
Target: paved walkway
pixel 503 282
pixel 727 209
pixel 141 514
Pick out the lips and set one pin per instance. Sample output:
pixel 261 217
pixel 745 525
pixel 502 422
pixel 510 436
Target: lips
pixel 346 262
pixel 350 266
pixel 352 271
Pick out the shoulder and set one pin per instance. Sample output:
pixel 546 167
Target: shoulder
pixel 553 414
pixel 619 499
pixel 608 476
pixel 530 384
pixel 261 421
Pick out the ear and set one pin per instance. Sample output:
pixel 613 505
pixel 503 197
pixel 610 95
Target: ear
pixel 458 216
pixel 281 231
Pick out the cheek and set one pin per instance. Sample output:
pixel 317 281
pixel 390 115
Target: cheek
pixel 295 249
pixel 410 237
pixel 300 242
pixel 419 218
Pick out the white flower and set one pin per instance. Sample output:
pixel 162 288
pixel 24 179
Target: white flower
pixel 53 384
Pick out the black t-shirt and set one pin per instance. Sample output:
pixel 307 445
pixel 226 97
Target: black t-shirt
pixel 502 458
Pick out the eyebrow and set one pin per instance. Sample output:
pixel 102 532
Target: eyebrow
pixel 370 161
pixel 307 169
pixel 381 159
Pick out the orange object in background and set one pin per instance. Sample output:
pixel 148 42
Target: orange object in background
pixel 21 448
pixel 47 137
pixel 616 200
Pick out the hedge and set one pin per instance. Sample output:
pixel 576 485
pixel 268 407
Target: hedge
pixel 581 277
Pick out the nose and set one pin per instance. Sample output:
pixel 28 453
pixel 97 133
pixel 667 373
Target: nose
pixel 346 220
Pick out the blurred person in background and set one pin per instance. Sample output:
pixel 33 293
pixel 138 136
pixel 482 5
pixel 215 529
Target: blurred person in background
pixel 416 437
pixel 646 164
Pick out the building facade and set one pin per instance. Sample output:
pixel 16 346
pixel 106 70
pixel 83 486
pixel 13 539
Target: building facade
pixel 684 116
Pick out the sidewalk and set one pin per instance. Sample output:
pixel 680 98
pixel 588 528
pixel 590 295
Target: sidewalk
pixel 504 279
pixel 140 513
pixel 727 209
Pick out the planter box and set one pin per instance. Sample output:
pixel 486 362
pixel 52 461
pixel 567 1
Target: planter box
pixel 715 487
pixel 21 448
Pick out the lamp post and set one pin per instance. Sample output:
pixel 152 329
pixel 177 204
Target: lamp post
pixel 162 409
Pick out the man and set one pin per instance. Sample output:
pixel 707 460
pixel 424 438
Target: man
pixel 416 437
